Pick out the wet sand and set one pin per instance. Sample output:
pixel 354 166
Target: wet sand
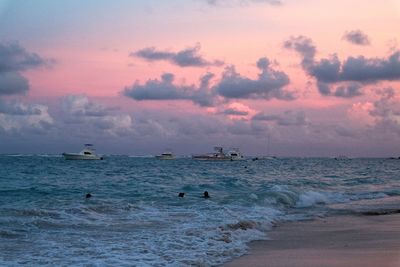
pixel 368 240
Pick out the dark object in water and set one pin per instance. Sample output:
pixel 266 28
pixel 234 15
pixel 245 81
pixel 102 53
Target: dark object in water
pixel 206 195
pixel 181 194
pixel 88 195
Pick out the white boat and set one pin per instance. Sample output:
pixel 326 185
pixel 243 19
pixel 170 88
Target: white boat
pixel 166 156
pixel 235 154
pixel 219 154
pixel 88 153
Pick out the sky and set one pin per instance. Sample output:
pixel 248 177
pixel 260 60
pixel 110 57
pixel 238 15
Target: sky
pixel 271 77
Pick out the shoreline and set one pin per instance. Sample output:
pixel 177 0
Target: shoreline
pixel 367 240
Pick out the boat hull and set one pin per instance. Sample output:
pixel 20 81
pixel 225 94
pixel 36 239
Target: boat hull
pixel 210 158
pixel 72 156
pixel 165 157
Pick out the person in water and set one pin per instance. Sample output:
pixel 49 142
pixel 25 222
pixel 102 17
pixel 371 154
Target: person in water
pixel 88 195
pixel 181 194
pixel 206 195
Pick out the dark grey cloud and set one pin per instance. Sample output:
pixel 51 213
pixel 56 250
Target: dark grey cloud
pixel 305 47
pixel 288 118
pixel 354 71
pixel 357 37
pixel 370 70
pixel 270 83
pixel 13 57
pixel 13 60
pixel 346 91
pixel 13 83
pixel 188 57
pixel 165 89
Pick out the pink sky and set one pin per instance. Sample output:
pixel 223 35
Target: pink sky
pixel 98 57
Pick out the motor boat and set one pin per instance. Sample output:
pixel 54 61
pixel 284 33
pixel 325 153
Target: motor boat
pixel 88 153
pixel 166 156
pixel 235 154
pixel 219 154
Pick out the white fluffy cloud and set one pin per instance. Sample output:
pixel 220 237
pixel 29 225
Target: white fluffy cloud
pixel 92 116
pixel 20 118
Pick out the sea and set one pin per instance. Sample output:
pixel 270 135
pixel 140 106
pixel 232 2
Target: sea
pixel 134 216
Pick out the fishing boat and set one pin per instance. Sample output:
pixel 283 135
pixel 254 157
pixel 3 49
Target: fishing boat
pixel 166 156
pixel 219 154
pixel 235 154
pixel 87 153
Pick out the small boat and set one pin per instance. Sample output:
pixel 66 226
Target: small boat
pixel 341 157
pixel 88 153
pixel 235 154
pixel 166 156
pixel 220 155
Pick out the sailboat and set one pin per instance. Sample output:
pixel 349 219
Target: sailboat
pixel 268 156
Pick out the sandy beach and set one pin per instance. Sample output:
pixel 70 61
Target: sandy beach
pixel 340 241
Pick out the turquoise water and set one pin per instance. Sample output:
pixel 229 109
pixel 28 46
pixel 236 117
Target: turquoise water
pixel 135 217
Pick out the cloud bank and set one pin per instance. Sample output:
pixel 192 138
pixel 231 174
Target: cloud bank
pixel 165 89
pixel 269 84
pixel 15 117
pixel 351 74
pixel 94 117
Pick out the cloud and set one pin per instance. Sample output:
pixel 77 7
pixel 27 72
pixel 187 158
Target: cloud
pixel 13 60
pixel 380 118
pixel 357 37
pixel 387 106
pixel 237 110
pixel 80 105
pixel 269 84
pixel 165 89
pixel 13 83
pixel 95 118
pixel 345 91
pixel 188 57
pixel 386 111
pixel 17 108
pixel 288 118
pixel 17 118
pixel 13 57
pixel 353 73
pixel 305 47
